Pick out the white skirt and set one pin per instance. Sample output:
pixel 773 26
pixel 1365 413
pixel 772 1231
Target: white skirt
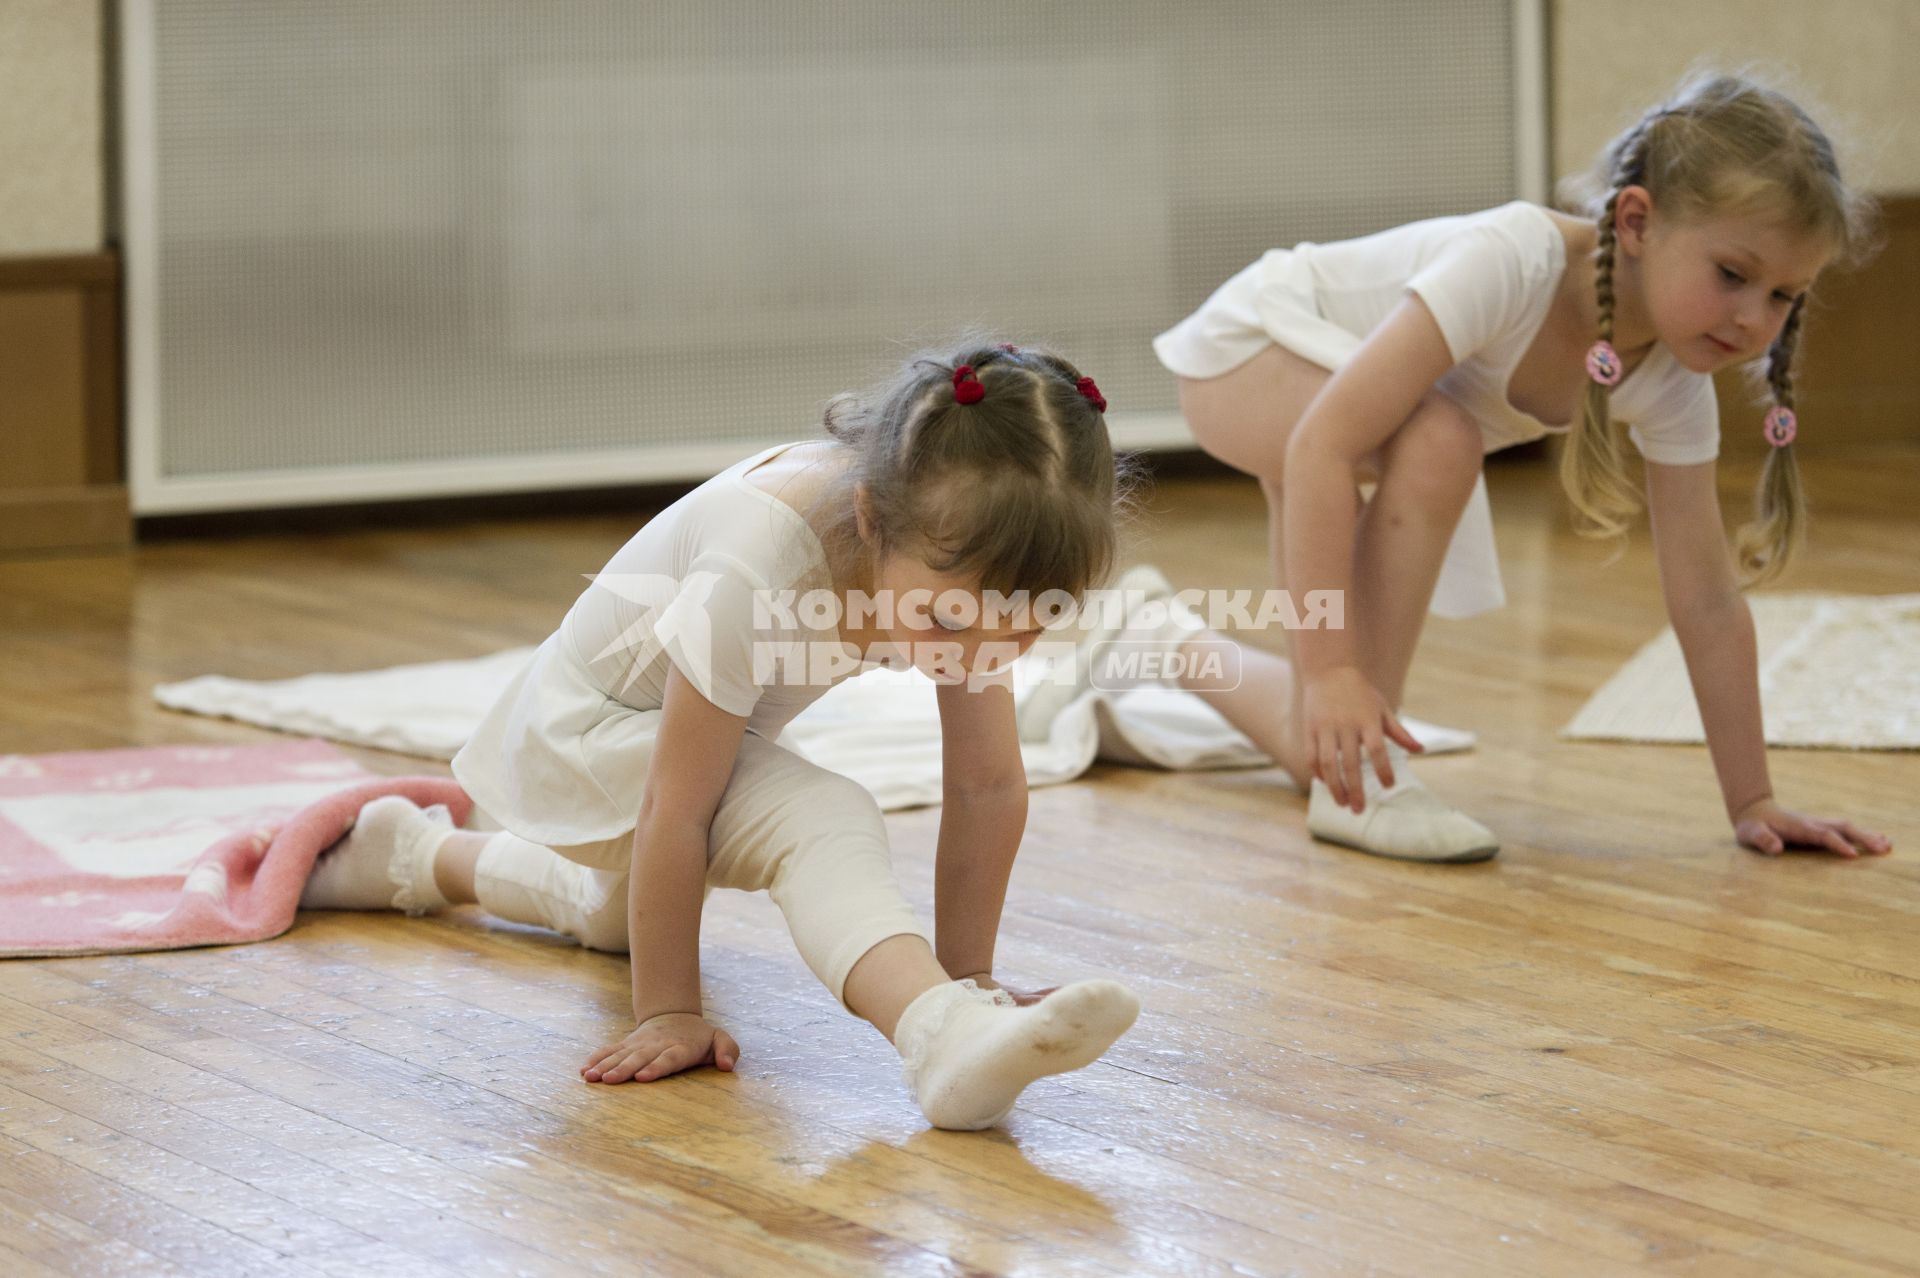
pixel 1272 302
pixel 557 761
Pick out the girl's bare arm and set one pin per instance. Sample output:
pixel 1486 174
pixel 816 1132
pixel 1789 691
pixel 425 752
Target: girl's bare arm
pixel 984 814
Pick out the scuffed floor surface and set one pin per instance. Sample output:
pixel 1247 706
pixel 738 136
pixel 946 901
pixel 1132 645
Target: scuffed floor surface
pixel 1624 1045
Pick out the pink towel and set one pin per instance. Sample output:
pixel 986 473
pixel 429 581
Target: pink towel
pixel 155 849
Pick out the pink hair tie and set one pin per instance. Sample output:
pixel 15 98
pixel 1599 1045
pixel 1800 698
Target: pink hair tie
pixel 1780 426
pixel 1086 387
pixel 1603 363
pixel 966 387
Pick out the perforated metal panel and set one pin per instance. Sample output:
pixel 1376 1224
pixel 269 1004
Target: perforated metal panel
pixel 407 246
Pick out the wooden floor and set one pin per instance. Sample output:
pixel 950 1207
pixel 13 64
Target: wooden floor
pixel 1626 1045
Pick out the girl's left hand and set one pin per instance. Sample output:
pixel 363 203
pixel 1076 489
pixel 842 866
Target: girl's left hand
pixel 1767 827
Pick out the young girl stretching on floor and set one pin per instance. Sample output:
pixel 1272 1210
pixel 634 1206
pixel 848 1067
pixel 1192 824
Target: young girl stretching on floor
pixel 634 763
pixel 1403 357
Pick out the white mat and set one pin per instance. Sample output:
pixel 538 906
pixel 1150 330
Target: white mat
pixel 881 728
pixel 1836 672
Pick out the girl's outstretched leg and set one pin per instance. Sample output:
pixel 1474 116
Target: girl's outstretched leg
pixel 454 864
pixel 815 841
pixel 889 977
pixel 525 882
pixel 400 857
pixel 1256 692
pixel 1251 688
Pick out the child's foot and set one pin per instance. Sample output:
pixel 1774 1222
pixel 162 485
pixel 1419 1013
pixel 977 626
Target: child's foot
pixel 1407 823
pixel 1150 622
pixel 968 1054
pixel 384 863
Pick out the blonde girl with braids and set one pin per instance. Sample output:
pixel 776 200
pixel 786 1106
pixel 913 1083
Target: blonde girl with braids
pixel 1402 358
pixel 635 764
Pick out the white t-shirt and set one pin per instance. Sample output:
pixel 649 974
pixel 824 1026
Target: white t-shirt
pixel 562 756
pixel 699 588
pixel 1489 278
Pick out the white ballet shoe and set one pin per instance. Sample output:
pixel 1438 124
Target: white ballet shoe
pixel 1168 625
pixel 1406 822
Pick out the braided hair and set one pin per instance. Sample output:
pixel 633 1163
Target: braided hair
pixel 1725 145
pixel 1779 525
pixel 1592 470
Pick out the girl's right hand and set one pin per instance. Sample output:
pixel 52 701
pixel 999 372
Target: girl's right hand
pixel 1346 719
pixel 662 1045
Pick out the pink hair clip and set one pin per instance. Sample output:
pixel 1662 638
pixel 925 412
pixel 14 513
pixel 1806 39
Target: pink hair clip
pixel 1603 363
pixel 1092 393
pixel 1780 426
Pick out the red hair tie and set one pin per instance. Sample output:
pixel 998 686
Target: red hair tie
pixel 966 387
pixel 1086 387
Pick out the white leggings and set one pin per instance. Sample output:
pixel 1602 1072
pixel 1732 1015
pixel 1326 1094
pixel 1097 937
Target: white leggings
pixel 812 838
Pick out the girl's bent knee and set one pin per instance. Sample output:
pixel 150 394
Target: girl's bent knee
pixel 834 806
pixel 1440 445
pixel 1442 416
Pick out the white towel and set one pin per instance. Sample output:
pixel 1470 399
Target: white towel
pixel 1836 672
pixel 881 728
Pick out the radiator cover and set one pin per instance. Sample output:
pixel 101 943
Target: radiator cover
pixel 414 247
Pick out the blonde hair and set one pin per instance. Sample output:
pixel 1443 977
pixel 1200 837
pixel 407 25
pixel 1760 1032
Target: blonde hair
pixel 1724 145
pixel 1019 489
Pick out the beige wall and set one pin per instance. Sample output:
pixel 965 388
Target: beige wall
pixel 1859 60
pixel 51 165
pixel 1610 58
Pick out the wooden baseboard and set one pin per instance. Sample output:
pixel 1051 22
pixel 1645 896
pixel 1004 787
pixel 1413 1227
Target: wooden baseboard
pixel 62 481
pixel 82 517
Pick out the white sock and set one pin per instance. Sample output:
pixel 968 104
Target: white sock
pixel 384 863
pixel 968 1056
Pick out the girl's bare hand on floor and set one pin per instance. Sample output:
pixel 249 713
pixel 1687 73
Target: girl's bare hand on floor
pixel 662 1045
